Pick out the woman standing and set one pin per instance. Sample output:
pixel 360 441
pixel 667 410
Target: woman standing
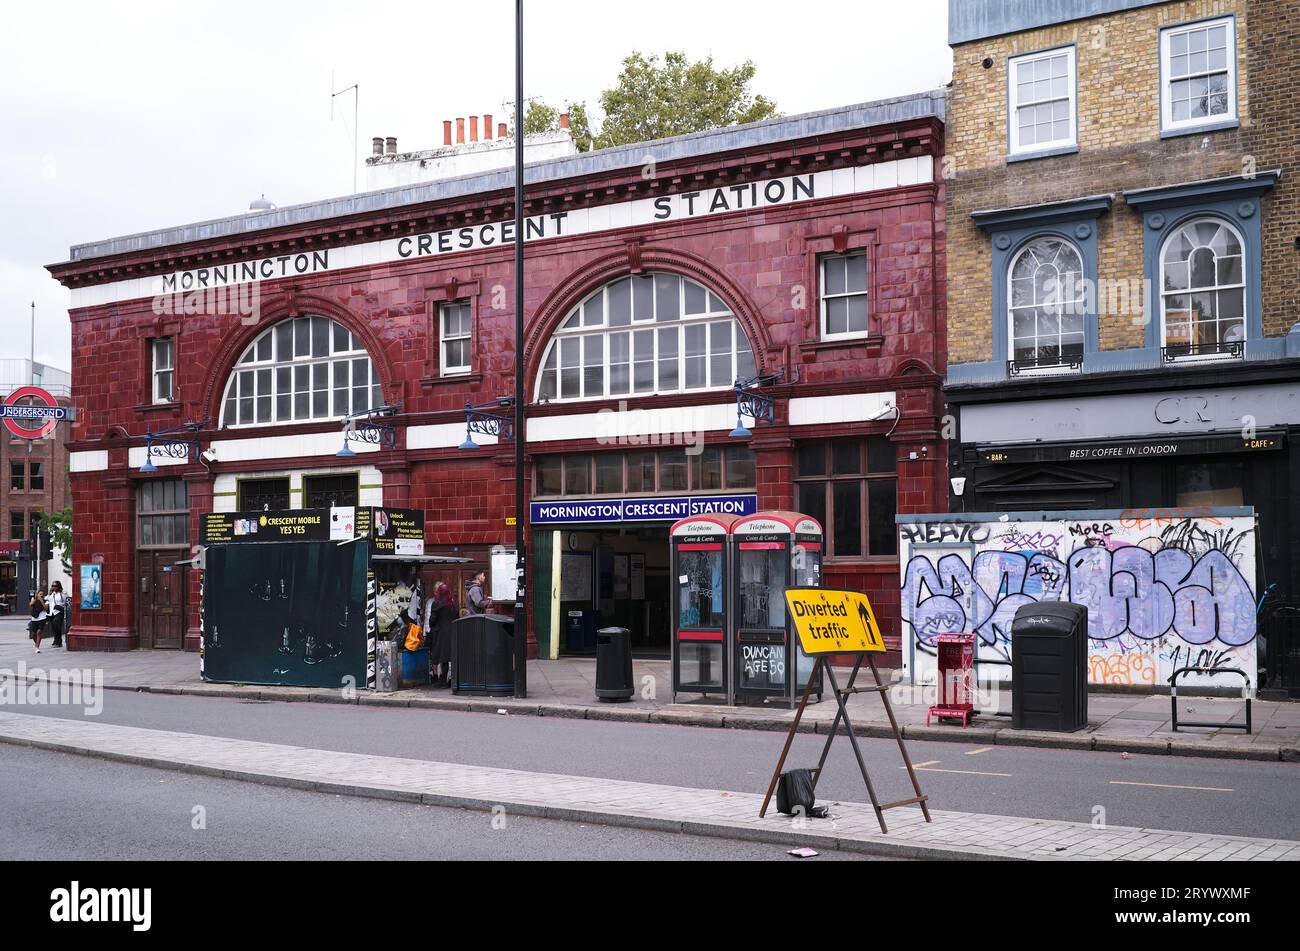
pixel 439 612
pixel 58 605
pixel 40 615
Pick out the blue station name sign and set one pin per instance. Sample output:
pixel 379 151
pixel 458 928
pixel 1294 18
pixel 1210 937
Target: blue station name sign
pixel 652 509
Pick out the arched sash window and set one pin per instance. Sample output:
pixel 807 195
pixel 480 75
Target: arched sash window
pixel 1203 288
pixel 1047 304
pixel 299 370
pixel 646 334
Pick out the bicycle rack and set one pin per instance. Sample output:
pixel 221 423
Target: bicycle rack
pixel 1173 696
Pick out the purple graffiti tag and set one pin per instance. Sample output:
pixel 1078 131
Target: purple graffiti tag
pixel 1215 601
pixel 1121 592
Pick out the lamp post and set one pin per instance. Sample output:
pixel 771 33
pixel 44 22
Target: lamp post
pixel 521 611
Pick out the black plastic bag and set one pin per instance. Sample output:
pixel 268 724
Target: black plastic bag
pixel 794 793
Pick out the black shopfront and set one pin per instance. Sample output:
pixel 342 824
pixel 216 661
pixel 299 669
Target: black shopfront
pixel 1136 443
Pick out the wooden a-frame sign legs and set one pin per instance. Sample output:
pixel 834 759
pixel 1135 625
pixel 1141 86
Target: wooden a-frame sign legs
pixel 841 698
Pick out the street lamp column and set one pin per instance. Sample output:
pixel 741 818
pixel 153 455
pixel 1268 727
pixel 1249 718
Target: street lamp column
pixel 521 432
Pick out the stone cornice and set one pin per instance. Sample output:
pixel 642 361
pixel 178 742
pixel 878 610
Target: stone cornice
pixel 917 137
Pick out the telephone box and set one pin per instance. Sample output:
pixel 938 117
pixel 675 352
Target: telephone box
pixel 772 551
pixel 701 634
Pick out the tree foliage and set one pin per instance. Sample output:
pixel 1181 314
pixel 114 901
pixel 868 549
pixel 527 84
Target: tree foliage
pixel 59 525
pixel 655 100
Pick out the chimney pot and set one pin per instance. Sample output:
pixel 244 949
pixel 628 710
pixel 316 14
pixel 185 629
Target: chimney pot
pixel 564 120
pixel 487 126
pixel 446 132
pixel 391 144
pixel 460 131
pixel 501 130
pixel 473 128
pixel 377 145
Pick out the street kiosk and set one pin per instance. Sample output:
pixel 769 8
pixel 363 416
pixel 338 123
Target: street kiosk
pixel 302 597
pixel 701 638
pixel 772 551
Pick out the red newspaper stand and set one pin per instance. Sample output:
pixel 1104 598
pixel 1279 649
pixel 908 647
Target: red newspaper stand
pixel 955 664
pixel 701 635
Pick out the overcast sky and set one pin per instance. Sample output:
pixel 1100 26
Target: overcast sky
pixel 120 117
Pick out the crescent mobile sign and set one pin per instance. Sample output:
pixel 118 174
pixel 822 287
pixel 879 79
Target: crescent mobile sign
pixel 29 412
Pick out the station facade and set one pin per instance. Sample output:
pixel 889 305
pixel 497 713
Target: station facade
pixel 806 252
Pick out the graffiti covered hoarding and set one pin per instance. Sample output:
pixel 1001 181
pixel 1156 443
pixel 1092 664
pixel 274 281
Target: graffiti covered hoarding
pixel 1164 588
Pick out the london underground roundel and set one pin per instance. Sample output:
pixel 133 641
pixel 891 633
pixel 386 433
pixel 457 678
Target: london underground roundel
pixel 29 412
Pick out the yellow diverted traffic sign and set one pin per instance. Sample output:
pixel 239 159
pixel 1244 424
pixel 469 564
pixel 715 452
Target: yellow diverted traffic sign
pixel 832 621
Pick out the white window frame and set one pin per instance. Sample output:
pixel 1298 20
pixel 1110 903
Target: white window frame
pixel 157 371
pixel 716 312
pixel 1167 122
pixel 824 297
pixel 1014 146
pixel 1243 286
pixel 444 368
pixel 1011 308
pixel 251 362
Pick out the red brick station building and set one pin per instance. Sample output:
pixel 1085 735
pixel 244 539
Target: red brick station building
pixel 809 249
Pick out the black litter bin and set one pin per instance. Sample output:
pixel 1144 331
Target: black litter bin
pixel 483 655
pixel 1049 667
pixel 614 663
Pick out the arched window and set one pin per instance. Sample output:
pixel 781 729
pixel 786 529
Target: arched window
pixel 301 369
pixel 1203 289
pixel 651 333
pixel 1047 304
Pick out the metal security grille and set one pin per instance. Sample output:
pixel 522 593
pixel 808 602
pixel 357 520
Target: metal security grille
pixel 263 495
pixel 323 492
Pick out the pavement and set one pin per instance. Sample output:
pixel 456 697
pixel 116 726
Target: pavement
pixel 61 807
pixel 720 813
pixel 1123 722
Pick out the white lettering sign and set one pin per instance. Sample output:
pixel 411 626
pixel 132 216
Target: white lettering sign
pixel 741 197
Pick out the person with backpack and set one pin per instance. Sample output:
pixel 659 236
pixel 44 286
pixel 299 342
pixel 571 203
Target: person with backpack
pixel 40 614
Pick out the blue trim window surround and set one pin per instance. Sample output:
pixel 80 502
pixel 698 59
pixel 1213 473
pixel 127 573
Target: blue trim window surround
pixel 1215 226
pixel 1067 231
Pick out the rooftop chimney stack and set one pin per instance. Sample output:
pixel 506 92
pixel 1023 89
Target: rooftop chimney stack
pixel 480 143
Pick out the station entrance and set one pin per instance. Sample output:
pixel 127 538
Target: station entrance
pixel 589 576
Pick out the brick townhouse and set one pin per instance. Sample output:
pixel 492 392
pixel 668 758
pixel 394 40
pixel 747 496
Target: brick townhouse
pixel 808 250
pixel 1124 247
